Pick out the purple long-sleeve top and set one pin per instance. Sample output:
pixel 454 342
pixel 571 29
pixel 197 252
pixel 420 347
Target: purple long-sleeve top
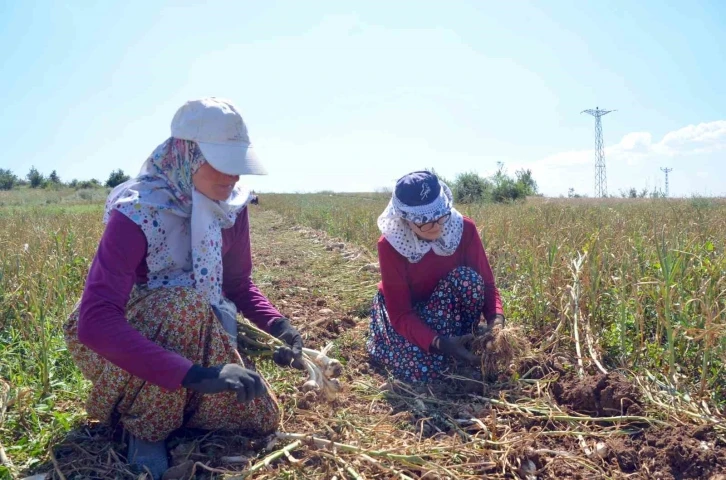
pixel 120 263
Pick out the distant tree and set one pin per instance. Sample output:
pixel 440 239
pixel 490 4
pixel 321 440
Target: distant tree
pixel 572 194
pixel 7 179
pixel 469 187
pixel 632 192
pixel 526 182
pixel 506 189
pixel 73 183
pixel 35 178
pixel 54 178
pixel 117 177
pixel 92 183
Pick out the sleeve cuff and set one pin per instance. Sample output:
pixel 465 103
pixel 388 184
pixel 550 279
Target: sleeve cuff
pixel 426 339
pixel 174 381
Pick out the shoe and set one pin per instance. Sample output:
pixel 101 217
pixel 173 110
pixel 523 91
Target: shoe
pixel 151 455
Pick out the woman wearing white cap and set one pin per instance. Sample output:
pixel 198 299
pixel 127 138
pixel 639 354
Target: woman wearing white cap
pixel 436 282
pixel 155 329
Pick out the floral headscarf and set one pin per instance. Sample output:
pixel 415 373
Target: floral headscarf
pixel 183 227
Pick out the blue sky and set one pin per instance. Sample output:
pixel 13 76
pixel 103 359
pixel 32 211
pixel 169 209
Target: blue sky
pixel 350 95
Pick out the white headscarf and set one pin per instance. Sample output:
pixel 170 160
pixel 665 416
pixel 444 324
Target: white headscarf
pixel 394 226
pixel 183 227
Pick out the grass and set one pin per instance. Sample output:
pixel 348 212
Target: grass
pixel 653 281
pixel 46 253
pixel 651 290
pixel 26 196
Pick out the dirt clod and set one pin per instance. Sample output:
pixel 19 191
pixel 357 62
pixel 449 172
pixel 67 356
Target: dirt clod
pixel 600 396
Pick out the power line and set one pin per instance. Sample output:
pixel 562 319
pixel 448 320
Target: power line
pixel 666 171
pixel 601 182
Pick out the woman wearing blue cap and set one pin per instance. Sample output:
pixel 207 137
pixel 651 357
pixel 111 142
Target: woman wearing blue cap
pixel 436 282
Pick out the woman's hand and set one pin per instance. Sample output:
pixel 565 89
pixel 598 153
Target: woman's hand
pixel 455 347
pixel 284 356
pixel 245 383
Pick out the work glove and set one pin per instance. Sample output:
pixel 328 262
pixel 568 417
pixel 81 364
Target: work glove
pixel 245 383
pixel 497 319
pixel 455 347
pixel 285 356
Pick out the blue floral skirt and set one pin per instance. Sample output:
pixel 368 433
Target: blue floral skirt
pixel 454 309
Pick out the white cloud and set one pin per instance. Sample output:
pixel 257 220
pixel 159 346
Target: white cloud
pixel 702 138
pixel 629 160
pixel 636 143
pixel 690 140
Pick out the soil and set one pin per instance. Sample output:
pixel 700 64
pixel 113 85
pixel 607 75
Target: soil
pixel 684 452
pixel 600 396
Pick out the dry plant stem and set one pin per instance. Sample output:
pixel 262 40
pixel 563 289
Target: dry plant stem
pixel 55 464
pixel 375 462
pixel 590 346
pixel 525 411
pixel 575 294
pixel 347 466
pixel 4 392
pixel 265 462
pixel 321 442
pixel 554 337
pixel 205 467
pixel 683 407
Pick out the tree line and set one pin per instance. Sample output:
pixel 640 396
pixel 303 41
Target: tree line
pixel 470 187
pixel 35 179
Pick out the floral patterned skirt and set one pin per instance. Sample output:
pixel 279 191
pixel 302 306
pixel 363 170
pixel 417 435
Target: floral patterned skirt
pixel 181 321
pixel 453 309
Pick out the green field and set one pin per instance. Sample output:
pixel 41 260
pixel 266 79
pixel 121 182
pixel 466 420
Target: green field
pixel 649 291
pixel 652 281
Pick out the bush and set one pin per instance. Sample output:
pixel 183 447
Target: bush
pixel 526 183
pixel 8 179
pixel 92 183
pixel 117 177
pixel 507 190
pixel 54 178
pixel 35 178
pixel 469 187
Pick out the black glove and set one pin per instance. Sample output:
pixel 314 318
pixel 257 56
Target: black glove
pixel 284 356
pixel 485 327
pixel 247 384
pixel 497 320
pixel 455 347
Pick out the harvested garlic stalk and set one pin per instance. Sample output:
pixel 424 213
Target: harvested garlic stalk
pixel 323 372
pixel 330 367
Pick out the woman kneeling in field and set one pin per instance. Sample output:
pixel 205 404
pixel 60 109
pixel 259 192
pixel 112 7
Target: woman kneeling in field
pixel 436 282
pixel 155 330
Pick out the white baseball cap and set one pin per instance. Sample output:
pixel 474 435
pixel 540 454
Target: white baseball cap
pixel 217 127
